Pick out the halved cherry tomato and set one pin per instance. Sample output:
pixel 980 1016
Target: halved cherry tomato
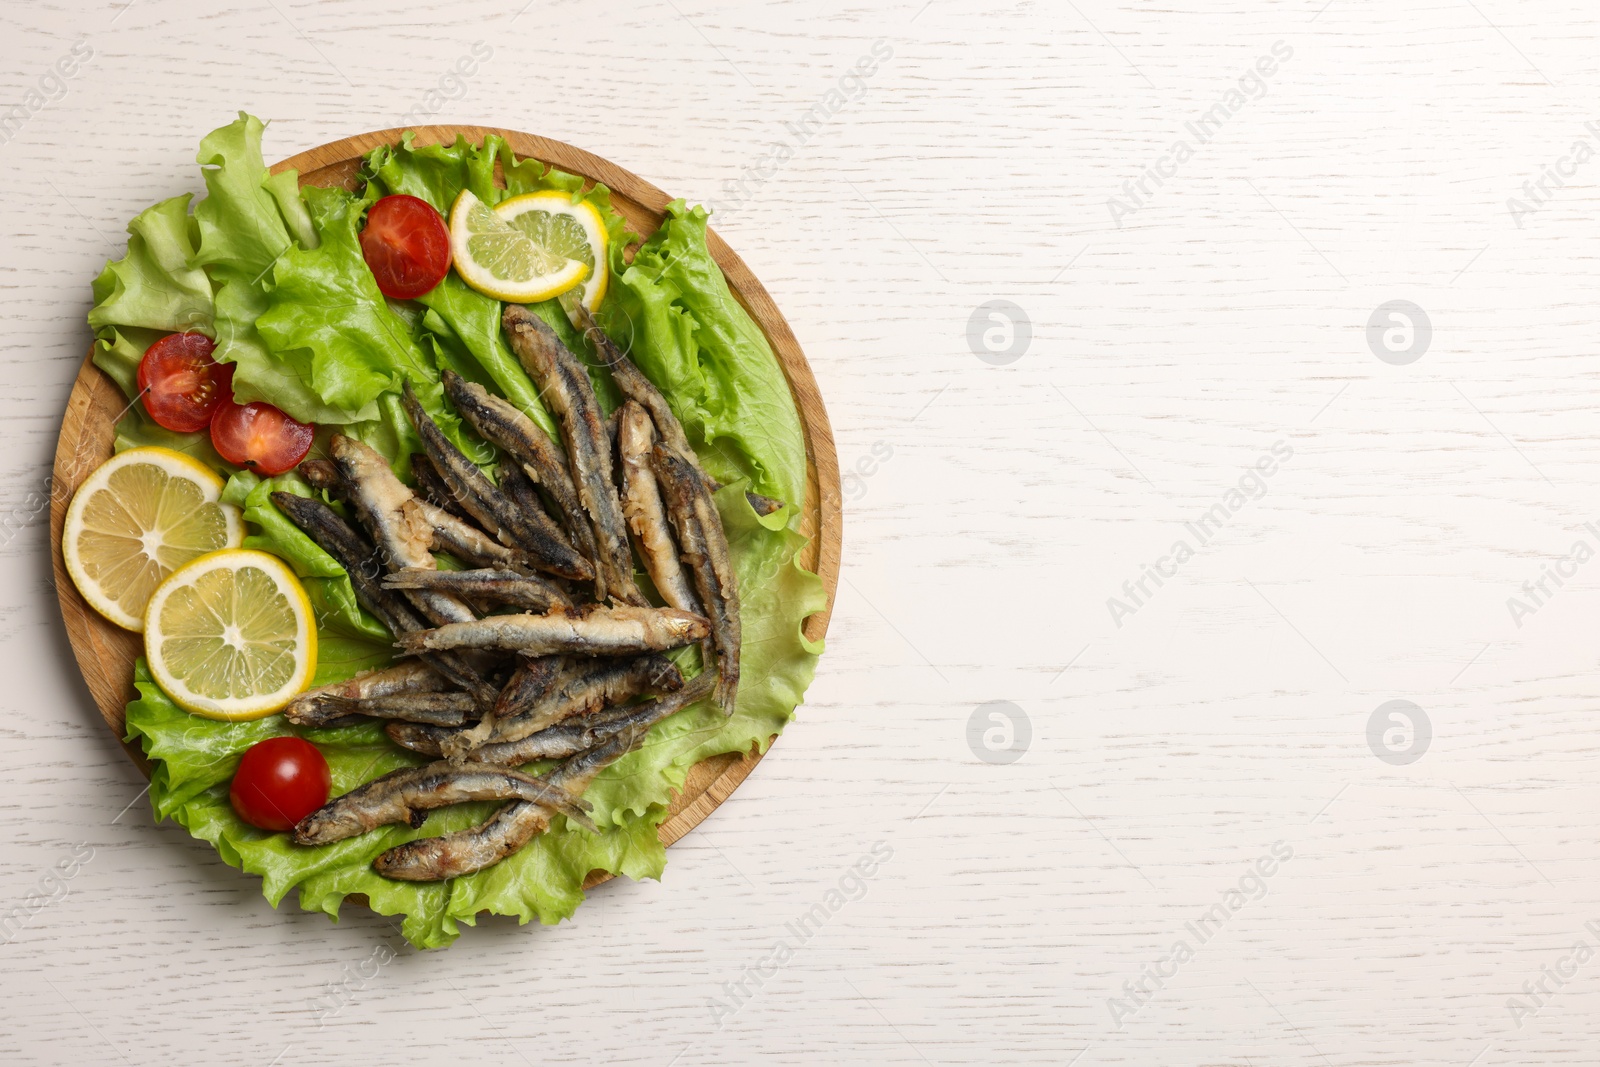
pixel 406 246
pixel 181 384
pixel 279 782
pixel 259 436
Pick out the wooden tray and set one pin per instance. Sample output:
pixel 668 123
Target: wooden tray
pixel 106 653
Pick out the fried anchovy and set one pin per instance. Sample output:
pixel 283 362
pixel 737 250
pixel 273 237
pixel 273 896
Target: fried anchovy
pixel 354 553
pixel 434 709
pixel 530 680
pixel 515 484
pixel 430 859
pixel 411 676
pixel 641 390
pixel 596 684
pixel 571 396
pixel 500 422
pixel 535 534
pixel 499 586
pixel 597 631
pixel 358 558
pixel 402 538
pixel 322 474
pixel 705 548
pixel 761 505
pixel 431 486
pixel 467 543
pixel 565 738
pixel 534 679
pixel 407 795
pixel 647 515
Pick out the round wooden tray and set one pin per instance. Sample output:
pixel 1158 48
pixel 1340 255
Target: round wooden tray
pixel 106 653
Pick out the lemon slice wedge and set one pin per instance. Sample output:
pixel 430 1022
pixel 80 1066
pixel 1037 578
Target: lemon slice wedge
pixel 502 261
pixel 140 516
pixel 577 231
pixel 231 635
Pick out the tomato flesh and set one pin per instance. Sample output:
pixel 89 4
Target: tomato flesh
pixel 279 782
pixel 180 384
pixel 406 246
pixel 259 437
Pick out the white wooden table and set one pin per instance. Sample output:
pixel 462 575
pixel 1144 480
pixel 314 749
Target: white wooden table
pixel 1031 910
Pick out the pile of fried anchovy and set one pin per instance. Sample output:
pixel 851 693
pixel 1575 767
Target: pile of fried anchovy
pixel 485 691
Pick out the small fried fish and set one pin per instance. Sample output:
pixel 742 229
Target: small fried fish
pixel 705 548
pixel 501 423
pixel 570 394
pixel 596 631
pixel 489 584
pixel 545 545
pixel 647 515
pixel 431 859
pixel 407 795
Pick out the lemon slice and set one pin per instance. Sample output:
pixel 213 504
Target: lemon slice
pixel 231 635
pixel 502 261
pixel 553 222
pixel 140 516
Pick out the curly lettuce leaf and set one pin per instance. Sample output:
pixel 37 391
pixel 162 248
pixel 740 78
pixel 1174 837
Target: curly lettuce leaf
pixel 240 225
pixel 686 331
pixel 324 313
pixel 150 292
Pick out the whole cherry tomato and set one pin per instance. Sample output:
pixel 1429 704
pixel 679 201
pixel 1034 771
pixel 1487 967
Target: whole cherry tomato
pixel 279 782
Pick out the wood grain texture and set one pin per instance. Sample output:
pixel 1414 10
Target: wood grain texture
pixel 993 511
pixel 106 653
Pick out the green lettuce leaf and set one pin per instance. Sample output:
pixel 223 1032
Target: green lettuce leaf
pixel 325 313
pixel 150 292
pixel 686 331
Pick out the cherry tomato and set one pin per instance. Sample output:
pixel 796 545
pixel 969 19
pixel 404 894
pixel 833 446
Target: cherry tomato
pixel 406 246
pixel 279 782
pixel 180 382
pixel 259 436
